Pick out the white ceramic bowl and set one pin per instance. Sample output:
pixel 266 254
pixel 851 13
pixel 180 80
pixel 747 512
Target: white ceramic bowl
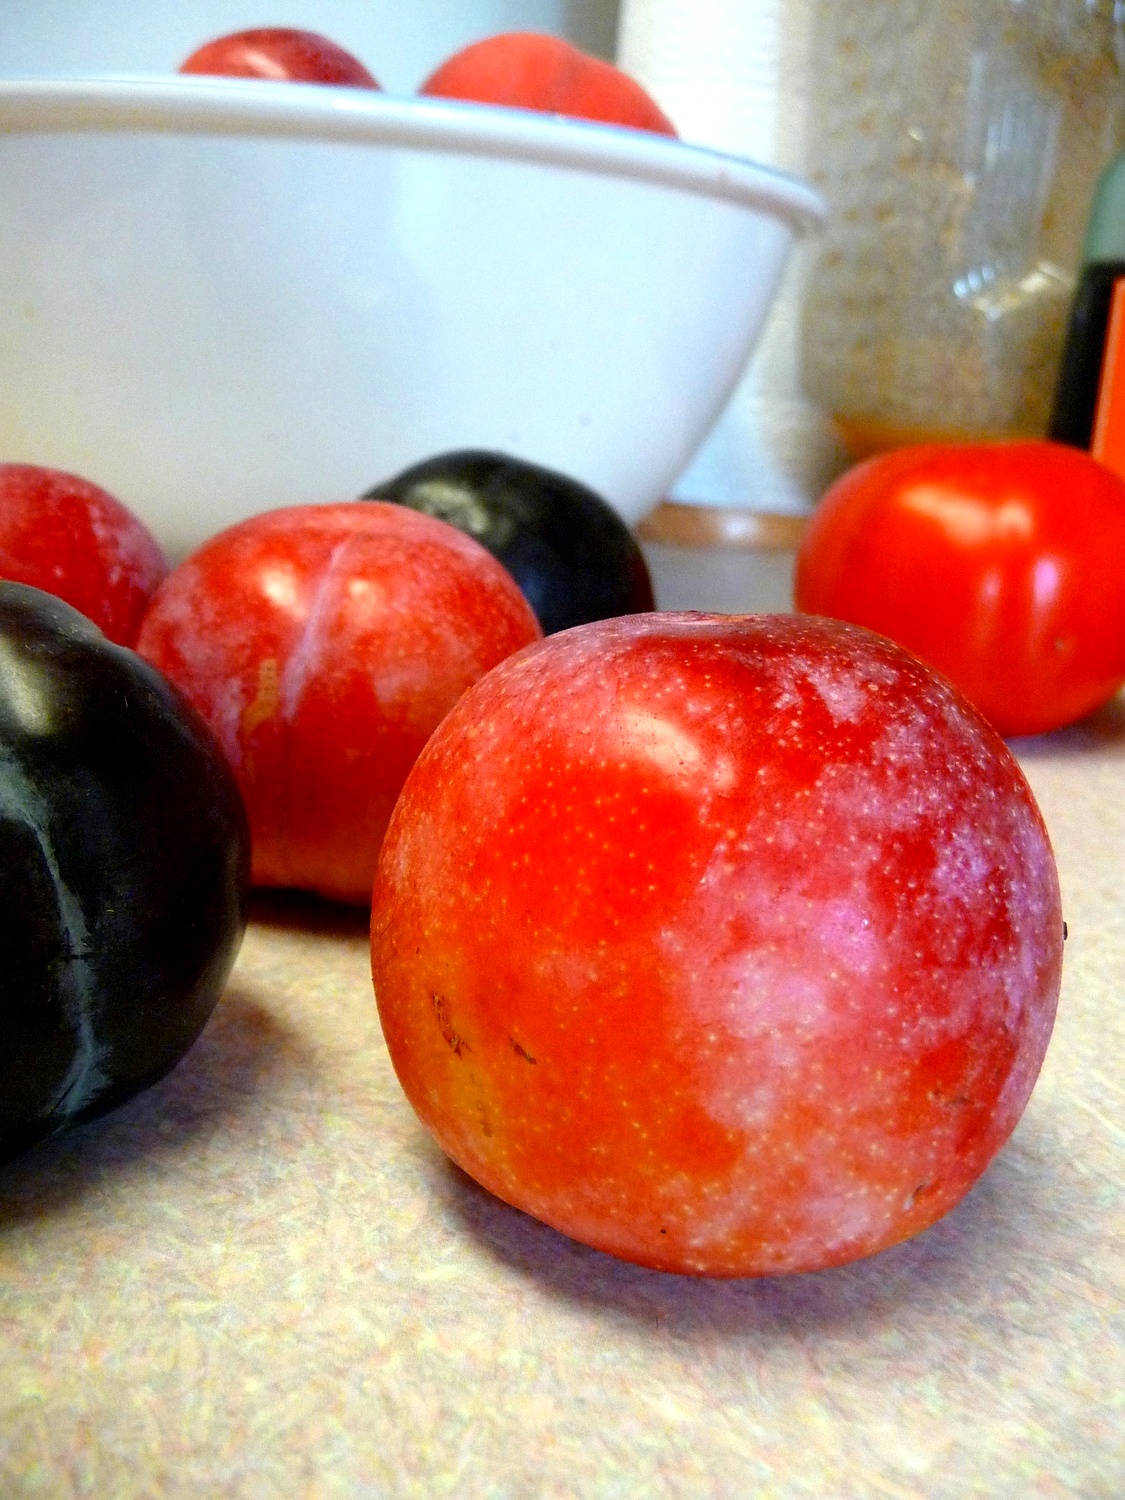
pixel 220 295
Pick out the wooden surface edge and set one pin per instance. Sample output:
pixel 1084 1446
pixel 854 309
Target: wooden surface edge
pixel 681 525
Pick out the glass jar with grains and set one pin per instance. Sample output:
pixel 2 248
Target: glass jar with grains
pixel 958 143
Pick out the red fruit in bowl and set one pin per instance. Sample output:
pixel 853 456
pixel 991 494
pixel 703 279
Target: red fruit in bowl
pixel 323 644
pixel 279 52
pixel 729 945
pixel 533 71
pixel 62 534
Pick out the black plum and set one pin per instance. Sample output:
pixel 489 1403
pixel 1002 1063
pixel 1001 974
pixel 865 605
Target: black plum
pixel 125 860
pixel 569 551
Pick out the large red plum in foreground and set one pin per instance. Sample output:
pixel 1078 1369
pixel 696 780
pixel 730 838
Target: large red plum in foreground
pixel 729 945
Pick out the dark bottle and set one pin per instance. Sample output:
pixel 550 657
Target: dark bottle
pixel 1084 359
pixel 1076 396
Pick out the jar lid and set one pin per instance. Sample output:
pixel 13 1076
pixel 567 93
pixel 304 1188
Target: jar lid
pixel 1105 233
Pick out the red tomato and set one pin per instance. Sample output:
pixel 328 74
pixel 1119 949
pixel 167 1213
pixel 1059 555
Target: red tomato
pixel 282 53
pixel 323 644
pixel 729 945
pixel 65 535
pixel 532 71
pixel 1001 564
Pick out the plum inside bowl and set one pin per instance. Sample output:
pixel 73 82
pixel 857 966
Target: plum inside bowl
pixel 224 295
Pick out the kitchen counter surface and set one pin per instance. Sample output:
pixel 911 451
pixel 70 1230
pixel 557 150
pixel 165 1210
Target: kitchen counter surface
pixel 261 1279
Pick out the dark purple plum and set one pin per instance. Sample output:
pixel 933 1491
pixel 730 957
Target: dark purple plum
pixel 569 551
pixel 125 855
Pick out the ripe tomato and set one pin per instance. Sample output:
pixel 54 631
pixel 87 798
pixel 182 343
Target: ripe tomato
pixel 726 944
pixel 533 71
pixel 1003 565
pixel 279 52
pixel 323 644
pixel 65 535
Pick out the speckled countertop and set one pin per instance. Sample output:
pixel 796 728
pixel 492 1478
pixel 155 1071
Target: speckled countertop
pixel 262 1280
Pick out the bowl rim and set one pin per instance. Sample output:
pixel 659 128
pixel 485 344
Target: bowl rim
pixel 265 108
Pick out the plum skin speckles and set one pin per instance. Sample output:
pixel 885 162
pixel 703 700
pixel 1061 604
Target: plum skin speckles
pixel 770 905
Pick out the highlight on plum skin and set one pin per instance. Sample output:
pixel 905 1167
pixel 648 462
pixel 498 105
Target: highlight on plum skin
pixel 323 644
pixel 727 945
